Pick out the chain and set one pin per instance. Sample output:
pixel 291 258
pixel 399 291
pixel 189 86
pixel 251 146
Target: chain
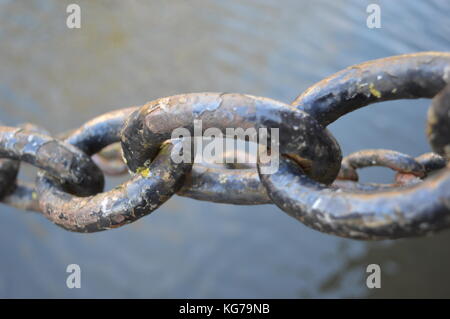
pixel 313 183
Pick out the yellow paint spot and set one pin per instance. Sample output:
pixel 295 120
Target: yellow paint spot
pixel 374 91
pixel 34 195
pixel 143 171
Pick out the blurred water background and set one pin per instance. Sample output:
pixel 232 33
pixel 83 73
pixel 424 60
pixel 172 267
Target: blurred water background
pixel 130 52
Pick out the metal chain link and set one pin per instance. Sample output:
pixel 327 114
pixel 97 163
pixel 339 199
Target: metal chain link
pixel 313 183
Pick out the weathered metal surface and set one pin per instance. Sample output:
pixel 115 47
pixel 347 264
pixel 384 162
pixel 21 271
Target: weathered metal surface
pixel 378 157
pixel 99 132
pixel 243 186
pixel 431 162
pixel 8 174
pixel 223 185
pixel 399 212
pixel 67 163
pixel 410 211
pixel 122 205
pixel 438 124
pixel 12 192
pixel 409 76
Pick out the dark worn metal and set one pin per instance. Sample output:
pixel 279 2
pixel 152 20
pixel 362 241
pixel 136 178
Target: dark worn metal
pixel 8 174
pixel 431 162
pixel 232 182
pixel 409 76
pixel 399 212
pixel 243 186
pixel 378 157
pixel 299 134
pixel 99 132
pixel 224 185
pixel 346 185
pixel 124 204
pixel 438 124
pixel 410 211
pixel 72 167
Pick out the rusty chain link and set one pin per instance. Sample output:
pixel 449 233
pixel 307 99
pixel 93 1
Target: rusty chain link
pixel 313 183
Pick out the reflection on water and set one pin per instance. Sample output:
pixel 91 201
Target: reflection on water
pixel 129 52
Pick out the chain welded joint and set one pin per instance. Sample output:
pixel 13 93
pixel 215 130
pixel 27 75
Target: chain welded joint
pixel 310 184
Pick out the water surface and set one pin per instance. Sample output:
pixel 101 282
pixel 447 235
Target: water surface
pixel 130 52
